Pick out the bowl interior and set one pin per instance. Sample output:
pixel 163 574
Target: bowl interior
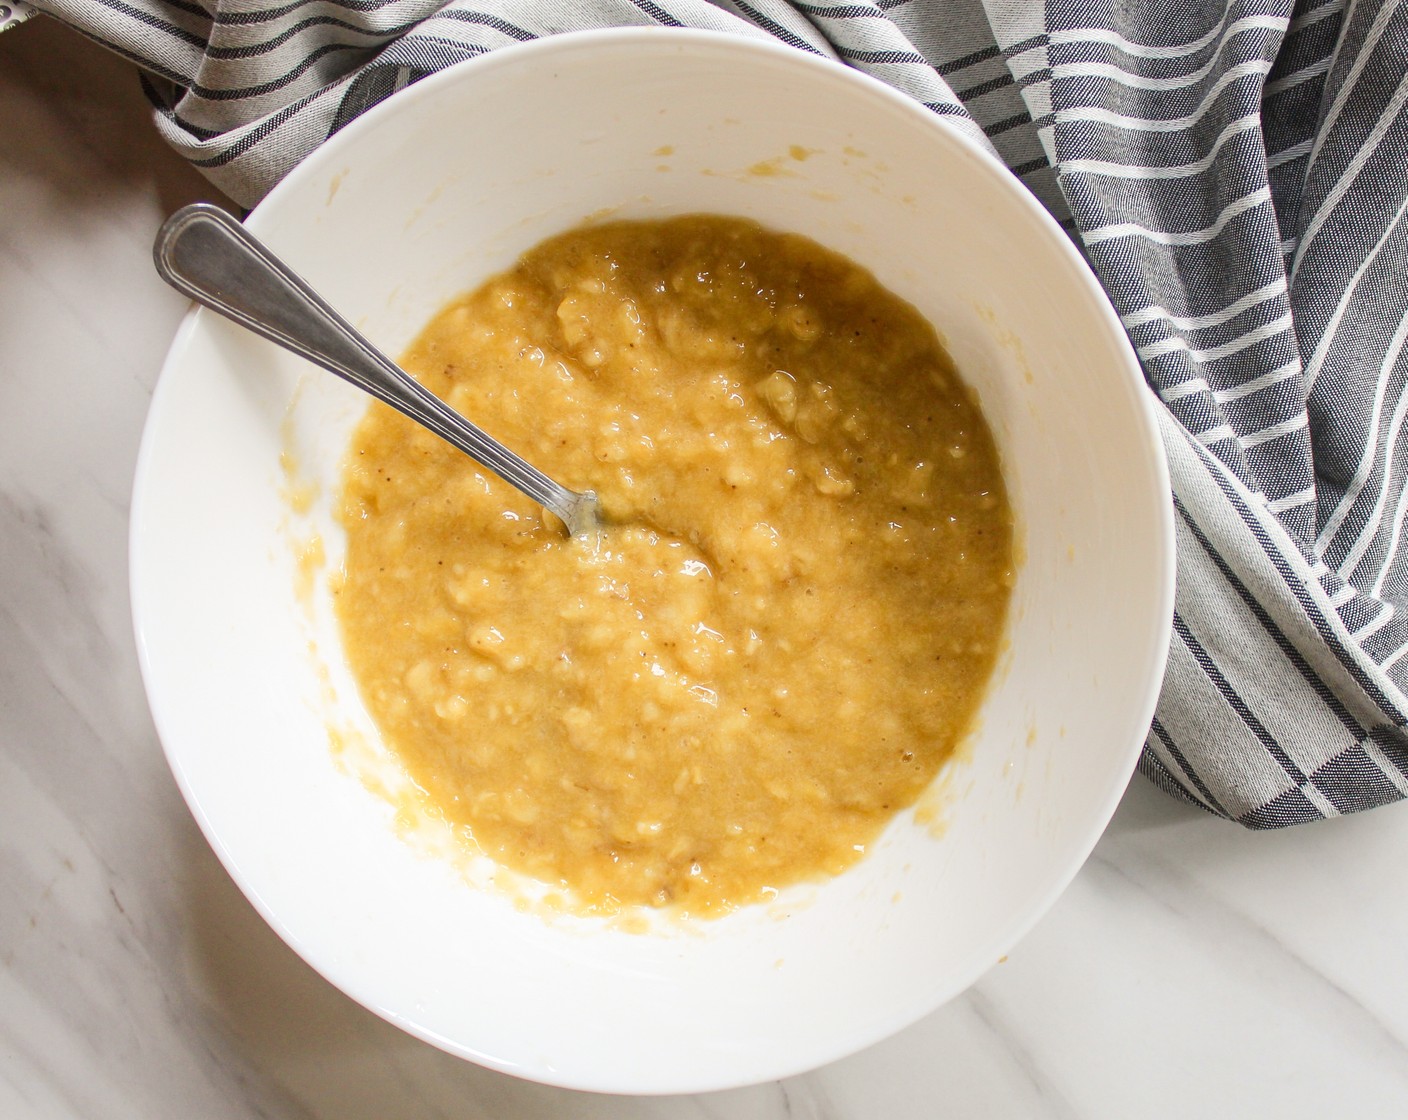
pixel 420 200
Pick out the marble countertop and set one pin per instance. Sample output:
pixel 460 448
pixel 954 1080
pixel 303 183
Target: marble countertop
pixel 1192 969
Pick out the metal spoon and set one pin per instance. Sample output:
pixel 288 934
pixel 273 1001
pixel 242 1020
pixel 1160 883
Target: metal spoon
pixel 205 253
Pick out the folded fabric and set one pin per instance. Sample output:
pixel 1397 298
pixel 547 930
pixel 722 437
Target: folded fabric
pixel 1237 175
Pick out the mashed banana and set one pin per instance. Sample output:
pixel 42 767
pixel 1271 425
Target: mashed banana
pixel 787 627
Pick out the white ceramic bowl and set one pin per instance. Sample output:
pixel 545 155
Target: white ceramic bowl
pixel 422 198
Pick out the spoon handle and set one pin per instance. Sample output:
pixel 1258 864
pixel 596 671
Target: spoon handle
pixel 206 254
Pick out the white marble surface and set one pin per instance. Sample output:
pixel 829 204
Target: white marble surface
pixel 1191 970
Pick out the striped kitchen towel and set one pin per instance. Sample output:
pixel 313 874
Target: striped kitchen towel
pixel 1237 174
